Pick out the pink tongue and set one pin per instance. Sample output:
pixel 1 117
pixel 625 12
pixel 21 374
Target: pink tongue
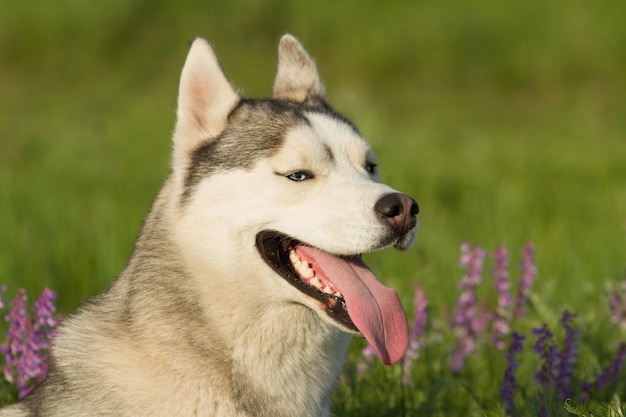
pixel 373 308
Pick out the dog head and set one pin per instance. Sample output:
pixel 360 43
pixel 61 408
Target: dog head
pixel 290 188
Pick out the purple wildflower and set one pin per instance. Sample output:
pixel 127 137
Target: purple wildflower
pixel 502 315
pixel 617 305
pixel 15 348
pixel 44 324
pixel 526 280
pixel 420 303
pixel 546 349
pixel 3 288
pixel 418 327
pixel 609 375
pixel 567 356
pixel 32 368
pixel 466 321
pixel 509 383
pixel 28 340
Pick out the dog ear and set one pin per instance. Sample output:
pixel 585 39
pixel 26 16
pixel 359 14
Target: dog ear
pixel 296 78
pixel 205 98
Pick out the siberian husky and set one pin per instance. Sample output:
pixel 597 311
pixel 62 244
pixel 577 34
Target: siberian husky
pixel 246 280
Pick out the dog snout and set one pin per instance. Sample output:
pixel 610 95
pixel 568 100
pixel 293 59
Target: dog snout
pixel 398 210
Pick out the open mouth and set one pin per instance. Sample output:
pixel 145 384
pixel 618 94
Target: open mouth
pixel 350 293
pixel 283 255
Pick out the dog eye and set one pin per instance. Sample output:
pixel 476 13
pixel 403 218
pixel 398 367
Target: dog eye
pixel 370 167
pixel 300 176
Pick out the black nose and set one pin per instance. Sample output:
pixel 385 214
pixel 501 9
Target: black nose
pixel 398 210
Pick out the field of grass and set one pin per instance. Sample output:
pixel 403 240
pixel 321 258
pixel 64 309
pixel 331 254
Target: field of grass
pixel 505 121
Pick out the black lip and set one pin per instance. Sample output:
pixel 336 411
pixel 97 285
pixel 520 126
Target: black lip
pixel 274 248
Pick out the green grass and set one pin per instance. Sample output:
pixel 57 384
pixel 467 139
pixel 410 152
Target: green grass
pixel 505 121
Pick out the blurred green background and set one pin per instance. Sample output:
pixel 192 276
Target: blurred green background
pixel 505 120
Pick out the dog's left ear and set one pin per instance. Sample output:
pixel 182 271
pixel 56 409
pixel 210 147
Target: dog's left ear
pixel 296 78
pixel 205 99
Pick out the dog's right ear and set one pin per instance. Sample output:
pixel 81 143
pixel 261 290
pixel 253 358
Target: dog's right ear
pixel 205 98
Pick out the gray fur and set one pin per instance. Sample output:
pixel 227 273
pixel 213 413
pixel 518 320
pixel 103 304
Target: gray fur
pixel 255 129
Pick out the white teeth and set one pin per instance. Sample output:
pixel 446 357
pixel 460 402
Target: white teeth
pixel 301 266
pixel 306 273
pixel 315 281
